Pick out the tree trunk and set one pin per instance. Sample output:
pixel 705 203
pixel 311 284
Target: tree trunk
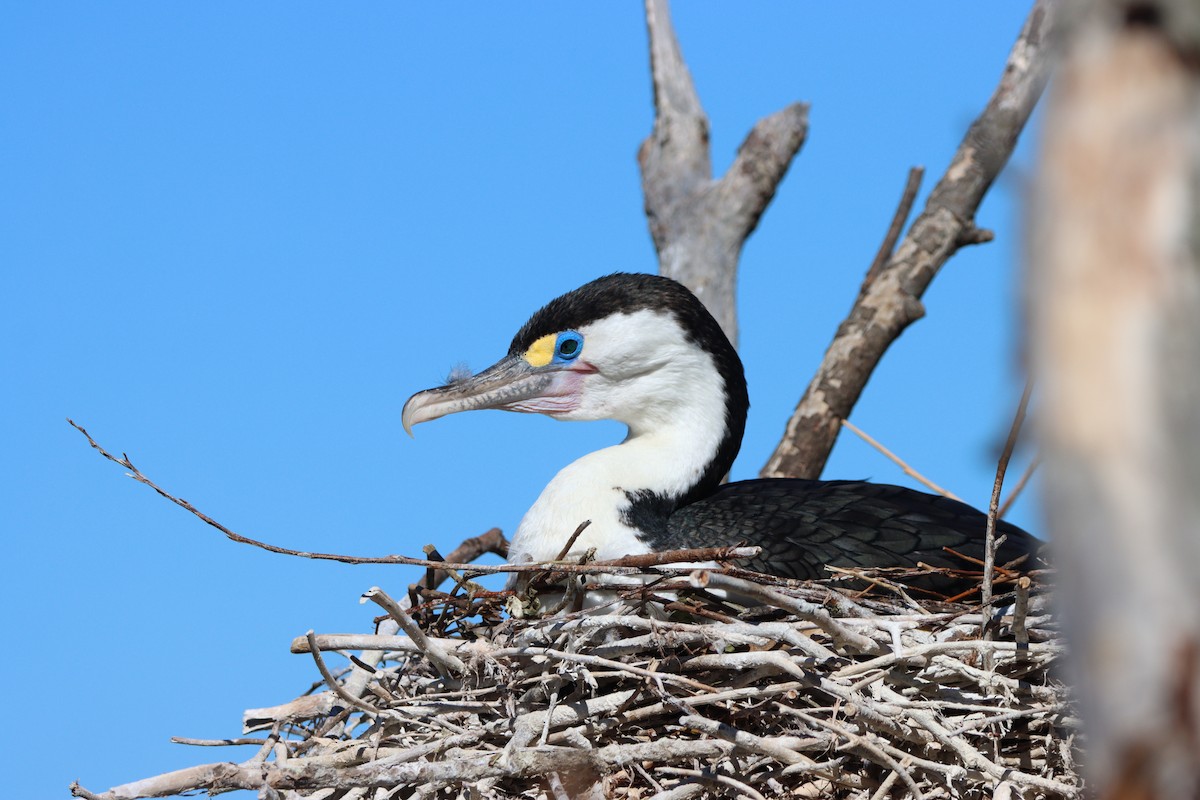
pixel 1114 306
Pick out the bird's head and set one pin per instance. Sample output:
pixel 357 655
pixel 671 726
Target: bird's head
pixel 640 349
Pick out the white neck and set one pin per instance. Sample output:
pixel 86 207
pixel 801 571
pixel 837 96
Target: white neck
pixel 666 453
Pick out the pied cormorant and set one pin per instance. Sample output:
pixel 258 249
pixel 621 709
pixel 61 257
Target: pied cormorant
pixel 643 350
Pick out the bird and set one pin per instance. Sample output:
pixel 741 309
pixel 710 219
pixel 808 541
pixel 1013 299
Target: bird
pixel 642 349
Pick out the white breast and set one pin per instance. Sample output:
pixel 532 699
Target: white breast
pixel 587 490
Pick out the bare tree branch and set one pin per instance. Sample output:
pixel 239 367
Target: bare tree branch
pixel 891 300
pixel 699 225
pixel 675 159
pixel 743 193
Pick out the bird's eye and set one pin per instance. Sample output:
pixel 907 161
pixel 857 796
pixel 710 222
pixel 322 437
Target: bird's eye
pixel 568 346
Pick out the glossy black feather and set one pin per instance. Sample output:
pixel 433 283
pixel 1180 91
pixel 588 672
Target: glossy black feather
pixel 803 525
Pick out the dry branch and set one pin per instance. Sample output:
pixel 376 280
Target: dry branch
pixel 891 298
pixel 699 225
pixel 912 185
pixel 491 541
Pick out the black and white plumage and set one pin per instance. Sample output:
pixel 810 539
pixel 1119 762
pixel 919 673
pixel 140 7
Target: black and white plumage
pixel 643 350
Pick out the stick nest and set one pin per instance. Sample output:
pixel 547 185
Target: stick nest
pixel 801 690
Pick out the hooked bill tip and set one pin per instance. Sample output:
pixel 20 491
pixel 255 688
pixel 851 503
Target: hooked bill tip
pixel 422 407
pixel 407 414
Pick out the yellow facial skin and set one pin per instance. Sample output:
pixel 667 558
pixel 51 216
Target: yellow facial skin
pixel 541 352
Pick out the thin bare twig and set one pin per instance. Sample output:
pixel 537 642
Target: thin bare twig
pixel 493 538
pixel 1015 494
pixel 218 742
pixel 566 548
pixel 1021 611
pixel 912 473
pixel 707 776
pixel 446 663
pixel 990 543
pixel 912 185
pixel 333 683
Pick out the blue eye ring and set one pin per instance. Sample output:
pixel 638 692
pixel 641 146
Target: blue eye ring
pixel 567 347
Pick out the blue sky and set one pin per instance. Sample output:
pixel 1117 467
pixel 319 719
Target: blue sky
pixel 236 237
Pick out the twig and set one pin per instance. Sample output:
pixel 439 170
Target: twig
pixel 863 744
pixel 932 648
pixel 683 791
pixel 581 658
pixel 900 462
pixel 332 682
pixel 566 548
pixel 628 565
pixel 446 663
pixel 138 476
pixel 912 185
pixel 492 541
pixel 1007 716
pixel 890 781
pixel 748 741
pixel 436 576
pixel 990 543
pixel 709 776
pixel 690 555
pixel 878 581
pixel 218 742
pixel 1020 611
pixel 808 611
pixel 1019 487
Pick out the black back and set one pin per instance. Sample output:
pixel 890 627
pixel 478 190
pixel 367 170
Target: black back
pixel 802 525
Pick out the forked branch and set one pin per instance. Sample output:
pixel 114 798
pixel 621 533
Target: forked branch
pixel 891 298
pixel 699 225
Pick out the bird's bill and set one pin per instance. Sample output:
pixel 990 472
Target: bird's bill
pixel 511 385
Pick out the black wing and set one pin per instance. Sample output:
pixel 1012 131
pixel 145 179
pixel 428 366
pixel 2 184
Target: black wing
pixel 804 525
